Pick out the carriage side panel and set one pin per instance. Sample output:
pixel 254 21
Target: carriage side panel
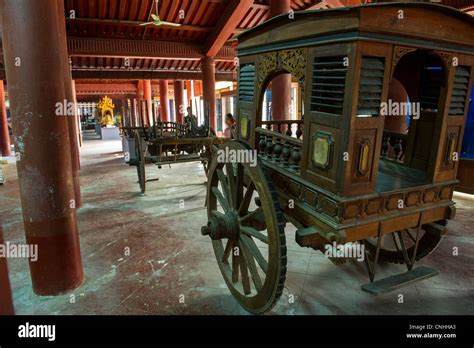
pixel 328 98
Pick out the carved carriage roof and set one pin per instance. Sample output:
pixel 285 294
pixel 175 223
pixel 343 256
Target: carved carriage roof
pixel 421 23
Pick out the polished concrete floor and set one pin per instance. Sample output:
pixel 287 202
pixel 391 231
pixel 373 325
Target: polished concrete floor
pixel 171 268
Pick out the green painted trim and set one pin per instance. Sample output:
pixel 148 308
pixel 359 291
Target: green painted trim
pixel 354 36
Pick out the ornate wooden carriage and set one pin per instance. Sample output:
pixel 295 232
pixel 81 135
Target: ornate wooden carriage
pixel 342 174
pixel 166 143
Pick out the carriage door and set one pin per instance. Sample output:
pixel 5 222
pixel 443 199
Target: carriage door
pixel 371 83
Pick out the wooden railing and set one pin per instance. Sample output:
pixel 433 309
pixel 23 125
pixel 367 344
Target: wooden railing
pixel 291 128
pixel 281 149
pixel 129 132
pixel 393 146
pixel 167 128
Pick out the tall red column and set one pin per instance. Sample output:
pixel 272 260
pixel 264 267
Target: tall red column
pixel 147 97
pixel 72 130
pixel 179 101
pixel 4 134
pixel 208 67
pixel 164 101
pixel 140 96
pixel 281 84
pixel 44 168
pixel 189 91
pixel 78 118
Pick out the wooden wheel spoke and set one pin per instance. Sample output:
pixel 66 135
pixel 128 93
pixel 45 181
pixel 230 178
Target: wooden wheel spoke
pixel 396 241
pixel 224 203
pixel 244 271
pixel 411 236
pixel 244 206
pixel 255 251
pixel 217 213
pixel 227 251
pixel 251 266
pixel 251 214
pixel 231 182
pixel 239 186
pixel 235 265
pixel 252 232
pixel 224 185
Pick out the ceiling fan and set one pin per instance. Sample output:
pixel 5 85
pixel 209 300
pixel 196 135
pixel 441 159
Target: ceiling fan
pixel 157 21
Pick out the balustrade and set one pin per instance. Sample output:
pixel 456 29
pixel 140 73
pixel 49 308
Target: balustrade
pixel 279 148
pixel 393 146
pixel 291 128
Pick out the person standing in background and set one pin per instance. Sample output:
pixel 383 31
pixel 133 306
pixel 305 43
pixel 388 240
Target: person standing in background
pixel 229 132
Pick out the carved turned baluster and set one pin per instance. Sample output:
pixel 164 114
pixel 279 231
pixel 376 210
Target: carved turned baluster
pixel 385 146
pixel 279 127
pixel 269 147
pixel 277 150
pixel 262 144
pixel 295 158
pixel 397 149
pixel 289 132
pixel 286 154
pixel 299 130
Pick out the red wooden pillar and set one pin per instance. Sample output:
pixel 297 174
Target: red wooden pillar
pixel 281 84
pixel 209 87
pixel 164 101
pixel 4 134
pixel 6 304
pixel 179 101
pixel 72 130
pixel 44 168
pixel 140 96
pixel 189 91
pixel 147 97
pixel 78 118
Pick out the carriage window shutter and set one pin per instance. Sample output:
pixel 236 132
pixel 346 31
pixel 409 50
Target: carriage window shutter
pixel 459 95
pixel 328 84
pixel 431 80
pixel 370 87
pixel 246 83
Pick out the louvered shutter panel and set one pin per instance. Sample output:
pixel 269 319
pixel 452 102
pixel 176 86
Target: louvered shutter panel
pixel 370 87
pixel 328 84
pixel 246 83
pixel 459 95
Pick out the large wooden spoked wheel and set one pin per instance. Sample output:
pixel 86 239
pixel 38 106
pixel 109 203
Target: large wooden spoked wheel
pixel 140 158
pixel 391 249
pixel 247 233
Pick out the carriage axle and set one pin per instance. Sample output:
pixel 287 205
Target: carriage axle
pixel 224 226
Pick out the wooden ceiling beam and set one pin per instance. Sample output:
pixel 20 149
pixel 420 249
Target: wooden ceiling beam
pixel 145 75
pixel 233 14
pixel 128 23
pixel 122 48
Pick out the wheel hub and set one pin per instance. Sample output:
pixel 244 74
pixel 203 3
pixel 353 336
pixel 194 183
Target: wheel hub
pixel 224 226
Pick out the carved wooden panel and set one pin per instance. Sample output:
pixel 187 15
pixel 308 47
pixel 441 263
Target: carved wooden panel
pixel 293 61
pixel 267 63
pixel 398 53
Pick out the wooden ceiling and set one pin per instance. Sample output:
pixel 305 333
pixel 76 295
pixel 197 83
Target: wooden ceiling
pixel 202 21
pixel 106 41
pixel 198 18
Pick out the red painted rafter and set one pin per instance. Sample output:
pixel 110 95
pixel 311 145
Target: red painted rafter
pixel 232 16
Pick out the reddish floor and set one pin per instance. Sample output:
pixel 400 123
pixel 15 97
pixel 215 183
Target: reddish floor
pixel 171 267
